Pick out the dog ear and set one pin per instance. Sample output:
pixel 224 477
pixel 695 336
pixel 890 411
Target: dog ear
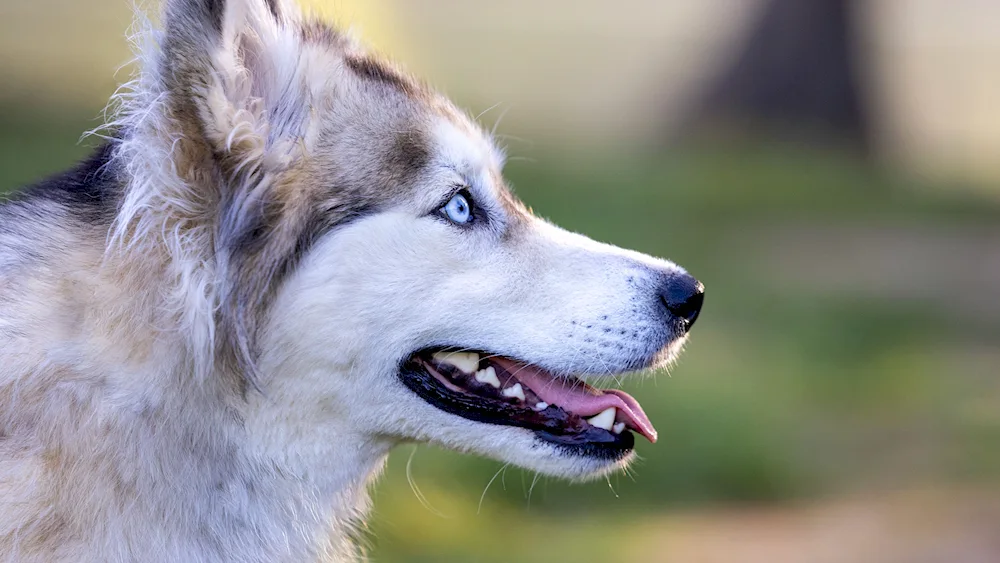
pixel 238 87
pixel 235 73
pixel 215 135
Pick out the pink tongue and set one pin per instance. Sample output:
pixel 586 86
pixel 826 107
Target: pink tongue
pixel 579 398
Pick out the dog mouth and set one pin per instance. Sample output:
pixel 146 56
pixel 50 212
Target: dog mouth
pixel 499 390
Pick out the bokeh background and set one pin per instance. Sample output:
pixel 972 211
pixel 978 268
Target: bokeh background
pixel 829 168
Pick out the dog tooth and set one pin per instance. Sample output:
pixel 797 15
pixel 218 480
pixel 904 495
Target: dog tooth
pixel 467 362
pixel 488 375
pixel 605 419
pixel 515 391
pixel 541 405
pixel 618 427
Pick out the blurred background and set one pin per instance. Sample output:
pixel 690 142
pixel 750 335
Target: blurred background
pixel 829 168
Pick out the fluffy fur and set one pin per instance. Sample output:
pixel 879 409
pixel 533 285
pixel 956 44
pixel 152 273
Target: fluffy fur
pixel 201 326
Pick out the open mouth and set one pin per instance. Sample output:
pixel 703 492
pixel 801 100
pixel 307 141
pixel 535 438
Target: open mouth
pixel 499 390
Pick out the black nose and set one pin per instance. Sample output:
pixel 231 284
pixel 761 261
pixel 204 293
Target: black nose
pixel 683 296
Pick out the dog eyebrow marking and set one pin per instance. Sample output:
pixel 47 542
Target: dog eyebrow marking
pixel 379 71
pixel 317 31
pixel 408 156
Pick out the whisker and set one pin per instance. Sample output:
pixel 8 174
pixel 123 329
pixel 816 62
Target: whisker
pixel 483 496
pixel 416 490
pixel 612 487
pixel 534 482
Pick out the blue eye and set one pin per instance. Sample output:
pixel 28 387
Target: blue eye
pixel 458 209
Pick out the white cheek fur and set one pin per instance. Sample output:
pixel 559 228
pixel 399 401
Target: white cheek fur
pixel 377 290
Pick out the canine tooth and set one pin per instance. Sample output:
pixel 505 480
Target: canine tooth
pixel 465 361
pixel 618 427
pixel 515 391
pixel 605 419
pixel 488 375
pixel 541 405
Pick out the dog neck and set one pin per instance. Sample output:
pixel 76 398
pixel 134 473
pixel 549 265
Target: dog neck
pixel 316 473
pixel 267 475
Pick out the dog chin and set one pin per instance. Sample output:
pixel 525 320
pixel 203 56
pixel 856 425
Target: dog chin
pixel 522 448
pixel 584 468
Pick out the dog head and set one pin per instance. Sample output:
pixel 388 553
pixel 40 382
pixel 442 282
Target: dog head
pixel 366 263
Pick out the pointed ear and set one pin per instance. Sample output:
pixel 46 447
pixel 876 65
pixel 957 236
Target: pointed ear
pixel 238 95
pixel 229 67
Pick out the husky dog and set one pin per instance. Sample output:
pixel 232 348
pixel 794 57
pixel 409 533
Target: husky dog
pixel 287 258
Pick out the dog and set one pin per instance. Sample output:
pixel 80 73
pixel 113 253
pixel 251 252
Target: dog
pixel 287 257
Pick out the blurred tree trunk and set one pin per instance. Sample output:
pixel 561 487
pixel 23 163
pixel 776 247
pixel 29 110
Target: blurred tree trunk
pixel 797 71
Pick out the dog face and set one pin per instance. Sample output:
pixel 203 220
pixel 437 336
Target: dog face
pixel 375 271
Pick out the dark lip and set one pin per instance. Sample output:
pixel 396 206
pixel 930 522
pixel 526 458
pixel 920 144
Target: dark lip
pixel 554 425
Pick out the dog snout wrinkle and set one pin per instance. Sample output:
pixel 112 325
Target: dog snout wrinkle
pixel 683 296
